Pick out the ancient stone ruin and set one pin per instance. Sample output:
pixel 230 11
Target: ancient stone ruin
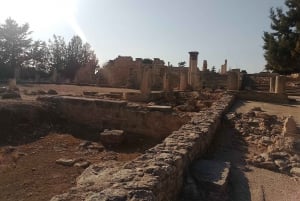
pixel 152 137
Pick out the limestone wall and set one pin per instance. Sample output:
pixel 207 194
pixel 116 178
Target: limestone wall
pixel 262 96
pixel 23 121
pixel 158 174
pixel 103 114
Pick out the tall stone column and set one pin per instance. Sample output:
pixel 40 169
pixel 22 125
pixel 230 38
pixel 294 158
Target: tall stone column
pixel 280 84
pixel 193 69
pixel 272 84
pixel 183 81
pixel 54 76
pixel 232 81
pixel 166 82
pixel 204 67
pixel 146 85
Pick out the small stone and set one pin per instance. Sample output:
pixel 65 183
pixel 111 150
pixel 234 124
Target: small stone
pixel 266 156
pixel 289 126
pixel 52 92
pixel 112 137
pixel 65 162
pixel 97 147
pixel 266 140
pixel 267 165
pixel 295 171
pixel 280 163
pixel 83 164
pixel 11 95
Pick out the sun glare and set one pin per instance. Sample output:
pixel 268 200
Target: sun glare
pixel 42 14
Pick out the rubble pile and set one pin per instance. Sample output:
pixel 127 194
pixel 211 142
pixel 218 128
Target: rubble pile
pixel 269 145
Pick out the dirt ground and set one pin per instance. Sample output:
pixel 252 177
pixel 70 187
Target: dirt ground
pixel 29 172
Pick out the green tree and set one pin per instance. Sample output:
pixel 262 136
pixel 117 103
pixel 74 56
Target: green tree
pixel 57 54
pixel 39 57
pixel 79 55
pixel 282 45
pixel 181 64
pixel 213 69
pixel 14 45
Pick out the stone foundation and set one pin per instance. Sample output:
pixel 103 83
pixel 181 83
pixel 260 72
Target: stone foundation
pixel 158 174
pixel 113 114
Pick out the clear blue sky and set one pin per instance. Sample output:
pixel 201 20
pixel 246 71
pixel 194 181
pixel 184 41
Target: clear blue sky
pixel 167 29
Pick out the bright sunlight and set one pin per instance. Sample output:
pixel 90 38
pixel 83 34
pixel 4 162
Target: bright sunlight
pixel 42 14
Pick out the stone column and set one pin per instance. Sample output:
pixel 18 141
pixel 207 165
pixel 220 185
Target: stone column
pixel 146 85
pixel 272 84
pixel 166 82
pixel 232 81
pixel 54 75
pixel 17 74
pixel 12 84
pixel 193 69
pixel 280 84
pixel 183 81
pixel 204 67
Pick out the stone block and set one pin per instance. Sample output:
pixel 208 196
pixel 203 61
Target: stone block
pixel 112 137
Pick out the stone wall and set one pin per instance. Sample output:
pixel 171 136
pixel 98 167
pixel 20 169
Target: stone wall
pixel 158 174
pixel 262 96
pixel 113 114
pixel 22 122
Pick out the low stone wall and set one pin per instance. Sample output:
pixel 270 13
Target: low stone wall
pixel 262 96
pixel 113 114
pixel 23 121
pixel 158 174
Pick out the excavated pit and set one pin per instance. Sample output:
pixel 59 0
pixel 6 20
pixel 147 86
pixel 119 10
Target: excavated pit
pixel 36 134
pixel 47 144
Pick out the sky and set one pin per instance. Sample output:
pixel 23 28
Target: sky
pixel 165 29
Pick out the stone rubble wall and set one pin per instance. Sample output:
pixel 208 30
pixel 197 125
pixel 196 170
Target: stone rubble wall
pixel 114 114
pixel 158 174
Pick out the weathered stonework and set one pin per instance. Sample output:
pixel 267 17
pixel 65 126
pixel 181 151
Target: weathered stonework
pixel 158 174
pixel 113 114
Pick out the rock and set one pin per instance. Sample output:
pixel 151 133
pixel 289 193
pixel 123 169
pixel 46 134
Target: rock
pixel 112 137
pixel 289 127
pixel 85 144
pixel 11 95
pixel 41 92
pixel 65 162
pixel 295 165
pixel 266 140
pixel 52 92
pixel 295 171
pixel 295 158
pixel 96 146
pixel 82 164
pixel 265 156
pixel 279 155
pixel 3 90
pixel 280 163
pixel 267 165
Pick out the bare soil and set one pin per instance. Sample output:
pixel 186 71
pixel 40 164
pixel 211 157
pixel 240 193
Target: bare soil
pixel 29 172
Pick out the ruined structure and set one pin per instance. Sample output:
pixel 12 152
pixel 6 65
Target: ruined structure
pixel 126 72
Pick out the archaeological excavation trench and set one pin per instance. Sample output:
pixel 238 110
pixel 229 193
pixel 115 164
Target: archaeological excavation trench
pixel 54 144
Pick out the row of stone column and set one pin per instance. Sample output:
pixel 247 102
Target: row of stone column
pixel 277 84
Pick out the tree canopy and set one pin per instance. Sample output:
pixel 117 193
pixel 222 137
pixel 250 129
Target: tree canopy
pixel 14 46
pixel 282 44
pixel 19 51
